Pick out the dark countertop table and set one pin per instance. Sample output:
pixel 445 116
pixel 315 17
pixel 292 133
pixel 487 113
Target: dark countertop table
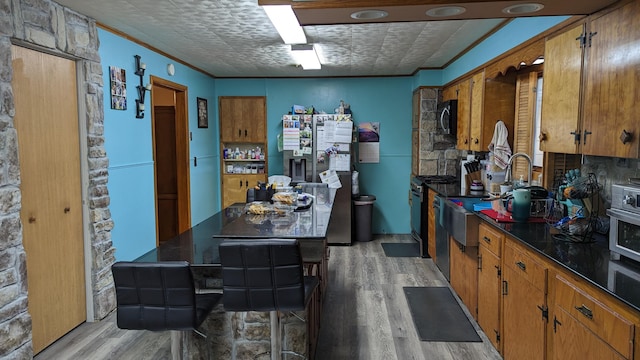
pixel 199 245
pixel 591 261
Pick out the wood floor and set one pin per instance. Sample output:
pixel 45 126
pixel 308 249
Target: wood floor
pixel 365 316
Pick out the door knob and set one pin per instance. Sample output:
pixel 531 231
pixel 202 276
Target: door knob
pixel 32 219
pixel 66 210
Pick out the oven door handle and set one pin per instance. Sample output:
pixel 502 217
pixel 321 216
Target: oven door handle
pixel 623 215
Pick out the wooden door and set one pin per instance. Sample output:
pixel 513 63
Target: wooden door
pixel 524 126
pixel 234 189
pixel 489 280
pixel 612 84
pixel 523 335
pixel 464 273
pixel 464 115
pixel 573 341
pixel 171 158
pixel 561 94
pixel 166 171
pixel 498 103
pixel 47 125
pixel 230 109
pixel 254 115
pixel 477 105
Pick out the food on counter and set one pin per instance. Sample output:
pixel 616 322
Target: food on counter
pixel 287 198
pixel 257 208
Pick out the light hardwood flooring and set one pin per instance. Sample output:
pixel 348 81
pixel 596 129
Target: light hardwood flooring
pixel 365 316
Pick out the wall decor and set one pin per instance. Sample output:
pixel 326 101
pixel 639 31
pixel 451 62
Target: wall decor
pixel 118 80
pixel 203 113
pixel 140 68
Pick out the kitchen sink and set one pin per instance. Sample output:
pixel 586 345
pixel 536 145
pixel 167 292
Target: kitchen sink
pixel 460 221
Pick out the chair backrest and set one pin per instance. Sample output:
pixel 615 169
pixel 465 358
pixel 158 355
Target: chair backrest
pixel 155 296
pixel 262 275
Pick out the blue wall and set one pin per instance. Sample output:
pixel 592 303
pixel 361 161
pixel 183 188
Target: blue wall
pixel 128 143
pixel 384 100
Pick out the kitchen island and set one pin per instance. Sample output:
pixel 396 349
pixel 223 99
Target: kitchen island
pixel 249 335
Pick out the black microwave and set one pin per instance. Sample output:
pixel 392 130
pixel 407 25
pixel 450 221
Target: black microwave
pixel 448 116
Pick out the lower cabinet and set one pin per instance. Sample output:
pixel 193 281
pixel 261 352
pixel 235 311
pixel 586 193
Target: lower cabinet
pixel 463 262
pixel 234 187
pixel 489 280
pixel 586 328
pixel 524 284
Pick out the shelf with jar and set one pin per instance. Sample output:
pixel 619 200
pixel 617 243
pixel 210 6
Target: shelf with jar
pixel 243 158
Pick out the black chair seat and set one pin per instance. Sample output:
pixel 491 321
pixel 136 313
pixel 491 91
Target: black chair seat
pixel 159 296
pixel 264 275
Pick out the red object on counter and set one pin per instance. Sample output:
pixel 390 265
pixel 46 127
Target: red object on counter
pixel 507 217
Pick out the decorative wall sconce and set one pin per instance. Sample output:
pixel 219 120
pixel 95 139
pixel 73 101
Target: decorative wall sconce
pixel 142 89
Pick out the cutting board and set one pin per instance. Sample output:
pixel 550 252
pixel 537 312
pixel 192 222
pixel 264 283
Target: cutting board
pixel 507 217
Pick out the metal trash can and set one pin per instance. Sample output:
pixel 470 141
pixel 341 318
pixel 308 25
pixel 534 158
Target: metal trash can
pixel 363 212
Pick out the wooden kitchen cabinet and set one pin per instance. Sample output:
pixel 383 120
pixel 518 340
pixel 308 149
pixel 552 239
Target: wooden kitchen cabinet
pixel 559 122
pixel 587 328
pixel 524 286
pixel 489 282
pixel 243 124
pixel 235 187
pixel 463 264
pixel 591 85
pixel 612 84
pixel 481 103
pixel 431 230
pixel 243 118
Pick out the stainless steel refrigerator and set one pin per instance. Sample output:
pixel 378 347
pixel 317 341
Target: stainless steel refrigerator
pixel 318 153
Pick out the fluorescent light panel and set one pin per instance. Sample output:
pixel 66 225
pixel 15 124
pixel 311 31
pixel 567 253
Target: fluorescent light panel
pixel 306 56
pixel 286 22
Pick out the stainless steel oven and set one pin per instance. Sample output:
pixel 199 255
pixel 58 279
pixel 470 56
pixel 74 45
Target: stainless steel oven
pixel 624 216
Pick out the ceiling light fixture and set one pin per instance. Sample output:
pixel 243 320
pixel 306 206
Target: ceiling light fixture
pixel 445 11
pixel 369 14
pixel 286 22
pixel 306 56
pixel 520 9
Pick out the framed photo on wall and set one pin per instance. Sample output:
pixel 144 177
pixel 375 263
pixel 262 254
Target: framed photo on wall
pixel 203 113
pixel 118 82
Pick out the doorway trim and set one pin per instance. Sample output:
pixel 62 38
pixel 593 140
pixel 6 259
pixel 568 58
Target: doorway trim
pixel 182 156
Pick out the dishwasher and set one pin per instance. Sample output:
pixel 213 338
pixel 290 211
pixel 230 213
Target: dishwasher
pixel 442 236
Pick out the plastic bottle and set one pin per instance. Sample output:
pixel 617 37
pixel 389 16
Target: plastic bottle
pixel 237 156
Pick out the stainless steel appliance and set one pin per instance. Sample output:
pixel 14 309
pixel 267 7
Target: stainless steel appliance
pixel 448 115
pixel 624 214
pixel 442 237
pixel 310 159
pixel 420 207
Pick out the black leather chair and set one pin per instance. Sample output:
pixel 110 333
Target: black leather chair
pixel 264 275
pixel 159 296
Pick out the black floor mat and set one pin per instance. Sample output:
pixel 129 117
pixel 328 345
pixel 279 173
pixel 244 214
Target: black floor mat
pixel 438 316
pixel 401 249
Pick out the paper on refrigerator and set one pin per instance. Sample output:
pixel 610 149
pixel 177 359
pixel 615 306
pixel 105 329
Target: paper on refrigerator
pixel 331 177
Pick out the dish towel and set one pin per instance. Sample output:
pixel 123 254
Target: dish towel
pixel 500 145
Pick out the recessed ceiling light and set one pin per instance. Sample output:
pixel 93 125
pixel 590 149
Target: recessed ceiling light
pixel 369 14
pixel 520 9
pixel 445 11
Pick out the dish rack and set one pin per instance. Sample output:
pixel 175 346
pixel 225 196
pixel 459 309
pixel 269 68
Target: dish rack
pixel 575 208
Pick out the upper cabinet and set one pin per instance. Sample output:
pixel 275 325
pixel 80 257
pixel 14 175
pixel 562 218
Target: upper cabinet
pixel 559 124
pixel 591 85
pixel 612 84
pixel 242 118
pixel 481 103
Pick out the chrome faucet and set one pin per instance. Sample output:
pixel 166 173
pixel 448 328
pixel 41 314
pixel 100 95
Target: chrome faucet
pixel 508 176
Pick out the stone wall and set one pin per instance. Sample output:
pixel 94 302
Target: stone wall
pixel 438 155
pixel 45 25
pixel 246 336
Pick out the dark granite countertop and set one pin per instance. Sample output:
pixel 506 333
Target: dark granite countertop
pixel 199 245
pixel 590 261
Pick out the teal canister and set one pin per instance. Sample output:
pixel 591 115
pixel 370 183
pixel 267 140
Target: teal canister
pixel 521 205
